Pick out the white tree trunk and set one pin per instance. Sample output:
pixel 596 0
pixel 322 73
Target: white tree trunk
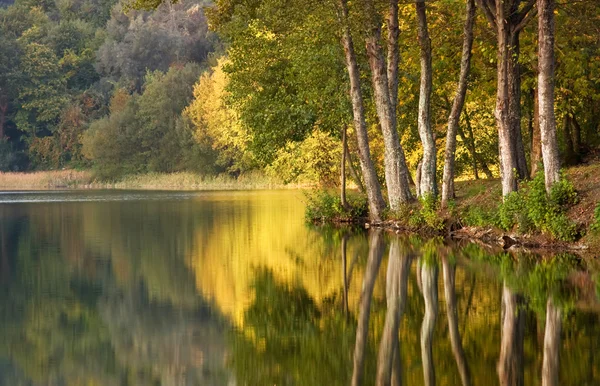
pixel 457 106
pixel 428 183
pixel 546 92
pixel 374 196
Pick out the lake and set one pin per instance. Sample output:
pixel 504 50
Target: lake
pixel 233 288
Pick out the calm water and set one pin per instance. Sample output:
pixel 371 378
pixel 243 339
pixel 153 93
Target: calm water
pixel 232 288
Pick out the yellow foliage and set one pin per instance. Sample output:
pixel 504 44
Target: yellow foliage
pixel 217 123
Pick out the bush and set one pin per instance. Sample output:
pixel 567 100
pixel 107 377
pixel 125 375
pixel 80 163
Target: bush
pixel 513 212
pixel 325 207
pixel 430 211
pixel 532 208
pixel 596 222
pixel 477 216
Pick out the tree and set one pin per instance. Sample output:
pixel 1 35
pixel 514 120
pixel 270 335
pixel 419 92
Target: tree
pixel 457 106
pixel 547 120
pixel 507 18
pixel 375 199
pixel 396 171
pixel 427 182
pixel 217 123
pixel 142 41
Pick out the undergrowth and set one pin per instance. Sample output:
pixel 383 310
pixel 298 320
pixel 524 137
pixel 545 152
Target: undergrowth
pixel 428 214
pixel 325 207
pixel 532 209
pixel 595 227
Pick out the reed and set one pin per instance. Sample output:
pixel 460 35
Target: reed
pixel 74 179
pixel 45 179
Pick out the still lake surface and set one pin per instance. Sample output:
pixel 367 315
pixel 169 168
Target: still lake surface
pixel 233 288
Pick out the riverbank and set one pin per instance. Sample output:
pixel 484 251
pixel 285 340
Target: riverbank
pixel 474 213
pixel 529 222
pixel 84 179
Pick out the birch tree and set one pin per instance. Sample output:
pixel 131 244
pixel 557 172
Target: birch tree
pixel 457 106
pixel 396 171
pixel 507 19
pixel 547 120
pixel 427 182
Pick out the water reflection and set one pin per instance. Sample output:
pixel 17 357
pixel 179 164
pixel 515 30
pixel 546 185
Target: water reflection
pixel 449 273
pixel 233 288
pixel 522 285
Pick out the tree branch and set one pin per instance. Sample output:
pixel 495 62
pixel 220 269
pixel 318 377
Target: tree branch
pixel 525 15
pixel 487 11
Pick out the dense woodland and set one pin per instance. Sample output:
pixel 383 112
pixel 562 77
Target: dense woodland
pixel 393 95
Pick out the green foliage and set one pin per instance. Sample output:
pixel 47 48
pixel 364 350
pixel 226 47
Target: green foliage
pixel 596 222
pixel 430 212
pixel 324 207
pixel 479 217
pixel 532 208
pixel 146 133
pixel 513 211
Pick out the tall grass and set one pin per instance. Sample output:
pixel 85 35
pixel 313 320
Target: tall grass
pixel 192 181
pixel 45 179
pixel 168 181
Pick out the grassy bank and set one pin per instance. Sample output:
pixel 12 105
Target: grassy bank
pixel 569 218
pixel 74 179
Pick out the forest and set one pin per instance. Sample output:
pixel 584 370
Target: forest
pixel 403 98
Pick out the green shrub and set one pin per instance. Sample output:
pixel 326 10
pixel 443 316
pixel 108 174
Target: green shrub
pixel 596 223
pixel 430 211
pixel 322 206
pixel 513 212
pixel 477 216
pixel 532 208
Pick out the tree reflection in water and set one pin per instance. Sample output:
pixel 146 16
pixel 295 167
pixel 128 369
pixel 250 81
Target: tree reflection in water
pixel 108 306
pixel 389 369
pixel 375 253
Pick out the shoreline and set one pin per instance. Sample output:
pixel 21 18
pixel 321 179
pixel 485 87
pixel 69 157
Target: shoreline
pixel 498 240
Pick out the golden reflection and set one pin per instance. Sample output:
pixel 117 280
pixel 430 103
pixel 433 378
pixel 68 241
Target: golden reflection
pixel 266 230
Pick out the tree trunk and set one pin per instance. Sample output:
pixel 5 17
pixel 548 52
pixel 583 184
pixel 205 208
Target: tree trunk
pixel 507 18
pixel 396 289
pixel 546 91
pixel 352 169
pixel 428 183
pixel 362 330
pixel 569 156
pixel 449 273
pixel 551 345
pixel 374 196
pixel 343 170
pixel 429 280
pixel 457 106
pixel 506 142
pixel 514 87
pixel 396 171
pixel 418 175
pixel 476 157
pixel 536 139
pixel 393 55
pixel 510 363
pixel 576 137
